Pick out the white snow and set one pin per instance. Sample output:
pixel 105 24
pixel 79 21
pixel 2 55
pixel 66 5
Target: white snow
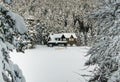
pixel 8 1
pixel 19 22
pixel 57 64
pixel 68 35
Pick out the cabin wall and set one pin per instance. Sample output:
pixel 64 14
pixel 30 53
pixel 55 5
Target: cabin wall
pixel 72 42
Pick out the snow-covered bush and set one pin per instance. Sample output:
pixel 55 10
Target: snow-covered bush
pixel 105 53
pixel 12 29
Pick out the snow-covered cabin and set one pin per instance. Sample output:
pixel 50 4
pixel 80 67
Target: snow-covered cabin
pixel 62 39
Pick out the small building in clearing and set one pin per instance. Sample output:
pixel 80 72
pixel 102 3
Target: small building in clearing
pixel 62 39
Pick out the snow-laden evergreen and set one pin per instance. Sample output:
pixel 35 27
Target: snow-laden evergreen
pixel 105 54
pixel 19 22
pixel 7 1
pixel 10 32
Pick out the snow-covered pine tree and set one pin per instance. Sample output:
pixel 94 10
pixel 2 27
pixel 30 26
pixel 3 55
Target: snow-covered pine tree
pixel 7 1
pixel 105 54
pixel 12 26
pixel 41 34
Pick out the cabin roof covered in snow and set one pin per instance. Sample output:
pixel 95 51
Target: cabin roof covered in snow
pixel 67 35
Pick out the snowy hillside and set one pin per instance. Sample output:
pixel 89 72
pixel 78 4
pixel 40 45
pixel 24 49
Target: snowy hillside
pixel 56 64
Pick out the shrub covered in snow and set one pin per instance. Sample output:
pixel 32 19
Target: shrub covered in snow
pixel 12 29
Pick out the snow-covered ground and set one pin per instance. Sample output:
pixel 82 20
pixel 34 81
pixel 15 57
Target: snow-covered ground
pixel 57 64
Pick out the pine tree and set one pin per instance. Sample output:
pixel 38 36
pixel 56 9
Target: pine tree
pixel 105 52
pixel 12 35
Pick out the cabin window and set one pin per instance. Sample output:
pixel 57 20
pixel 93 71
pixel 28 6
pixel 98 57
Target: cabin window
pixel 56 39
pixel 71 39
pixel 64 39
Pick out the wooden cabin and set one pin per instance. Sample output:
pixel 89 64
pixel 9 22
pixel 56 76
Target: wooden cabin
pixel 62 39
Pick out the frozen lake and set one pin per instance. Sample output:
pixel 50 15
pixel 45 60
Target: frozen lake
pixel 57 64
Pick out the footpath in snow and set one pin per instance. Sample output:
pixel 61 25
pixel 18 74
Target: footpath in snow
pixel 57 64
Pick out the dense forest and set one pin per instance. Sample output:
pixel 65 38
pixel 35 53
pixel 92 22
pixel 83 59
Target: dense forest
pixel 57 16
pixel 95 22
